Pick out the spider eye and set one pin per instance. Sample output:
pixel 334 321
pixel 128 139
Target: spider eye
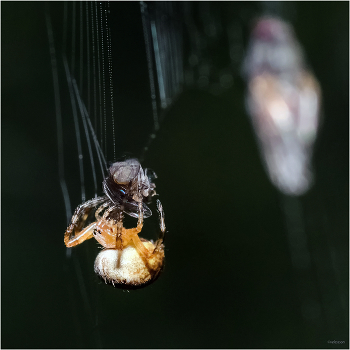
pixel 124 172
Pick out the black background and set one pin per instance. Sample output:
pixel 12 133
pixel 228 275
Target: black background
pixel 228 280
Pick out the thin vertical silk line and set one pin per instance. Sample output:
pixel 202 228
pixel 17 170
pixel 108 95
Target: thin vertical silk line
pixel 82 113
pixel 110 74
pixel 73 39
pixel 99 74
pixel 88 57
pixel 94 64
pixel 77 131
pixel 146 33
pixel 58 119
pixel 158 64
pixel 81 54
pixel 64 29
pixel 97 145
pixel 103 80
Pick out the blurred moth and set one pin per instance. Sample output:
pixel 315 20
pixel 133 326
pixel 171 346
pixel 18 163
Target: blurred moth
pixel 283 101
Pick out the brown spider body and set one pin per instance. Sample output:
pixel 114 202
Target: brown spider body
pixel 127 261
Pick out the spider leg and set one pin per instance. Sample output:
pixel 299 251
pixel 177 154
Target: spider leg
pixel 133 234
pixel 108 211
pixel 80 237
pixel 140 218
pixel 120 232
pixel 160 240
pixel 117 218
pixel 139 246
pixel 99 210
pixel 79 217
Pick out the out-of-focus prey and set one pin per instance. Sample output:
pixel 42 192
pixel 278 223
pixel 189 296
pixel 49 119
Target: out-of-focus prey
pixel 283 101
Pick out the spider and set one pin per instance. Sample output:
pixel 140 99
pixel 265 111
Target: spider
pixel 127 261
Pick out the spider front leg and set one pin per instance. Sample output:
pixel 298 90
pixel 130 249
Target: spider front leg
pixel 100 209
pixel 133 234
pixel 81 236
pixel 120 230
pixel 74 234
pixel 160 240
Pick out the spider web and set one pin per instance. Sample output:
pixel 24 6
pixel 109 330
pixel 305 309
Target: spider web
pixel 92 127
pixel 98 73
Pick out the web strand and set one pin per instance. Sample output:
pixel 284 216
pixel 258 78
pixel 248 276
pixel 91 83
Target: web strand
pixel 146 33
pixel 77 130
pixel 99 75
pixel 58 113
pixel 81 54
pixel 82 113
pixel 103 79
pixel 110 75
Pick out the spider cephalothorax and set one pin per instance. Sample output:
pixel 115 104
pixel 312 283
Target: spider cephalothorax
pixel 128 260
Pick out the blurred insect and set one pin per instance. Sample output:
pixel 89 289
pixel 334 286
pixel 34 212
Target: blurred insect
pixel 283 102
pixel 128 260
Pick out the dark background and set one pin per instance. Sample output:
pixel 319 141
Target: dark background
pixel 228 280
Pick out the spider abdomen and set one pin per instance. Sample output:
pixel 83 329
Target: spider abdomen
pixel 127 268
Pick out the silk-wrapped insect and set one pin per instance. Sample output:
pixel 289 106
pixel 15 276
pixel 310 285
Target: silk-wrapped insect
pixel 283 101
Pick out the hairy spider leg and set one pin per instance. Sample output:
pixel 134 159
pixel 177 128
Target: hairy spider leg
pixel 99 210
pixel 112 235
pixel 105 232
pixel 119 236
pixel 133 233
pixel 79 217
pixel 124 236
pixel 86 233
pixel 160 240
